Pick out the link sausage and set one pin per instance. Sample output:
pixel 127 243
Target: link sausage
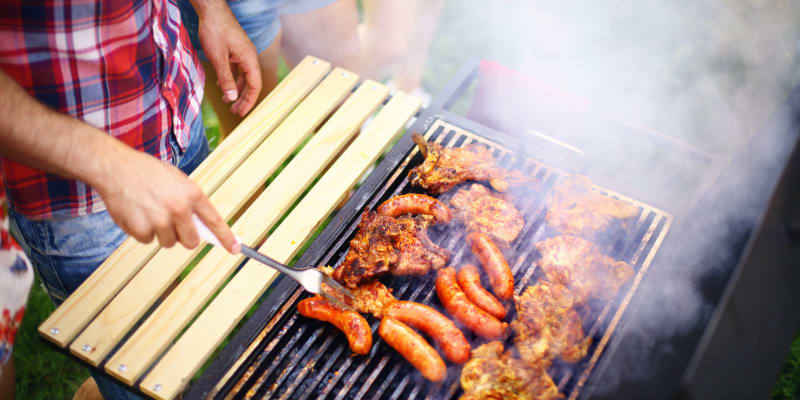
pixel 352 324
pixel 414 348
pixel 434 324
pixel 469 279
pixel 463 310
pixel 494 263
pixel 414 203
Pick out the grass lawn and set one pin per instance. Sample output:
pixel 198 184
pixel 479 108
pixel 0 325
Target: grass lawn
pixel 43 373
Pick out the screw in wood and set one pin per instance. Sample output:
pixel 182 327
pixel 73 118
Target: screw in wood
pixel 86 348
pixel 122 368
pixel 157 387
pixel 54 331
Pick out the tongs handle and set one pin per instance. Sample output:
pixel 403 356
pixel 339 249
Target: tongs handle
pixel 311 279
pixel 205 233
pixel 246 251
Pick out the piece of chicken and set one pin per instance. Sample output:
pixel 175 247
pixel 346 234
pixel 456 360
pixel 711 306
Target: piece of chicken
pixel 574 208
pixel 547 326
pixel 445 167
pixel 579 265
pixel 385 244
pixel 483 211
pixel 370 298
pixel 493 373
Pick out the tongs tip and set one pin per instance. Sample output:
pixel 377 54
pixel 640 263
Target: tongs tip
pixel 335 287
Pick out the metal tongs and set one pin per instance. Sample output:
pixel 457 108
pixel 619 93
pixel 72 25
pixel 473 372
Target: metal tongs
pixel 311 279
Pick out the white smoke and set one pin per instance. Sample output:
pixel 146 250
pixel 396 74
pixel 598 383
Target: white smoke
pixel 705 72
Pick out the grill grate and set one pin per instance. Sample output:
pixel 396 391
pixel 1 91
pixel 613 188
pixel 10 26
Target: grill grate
pixel 305 358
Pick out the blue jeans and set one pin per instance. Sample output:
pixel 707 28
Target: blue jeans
pixel 65 252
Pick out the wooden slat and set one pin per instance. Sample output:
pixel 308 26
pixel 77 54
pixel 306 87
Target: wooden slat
pixel 182 361
pixel 79 308
pixel 195 290
pixel 102 335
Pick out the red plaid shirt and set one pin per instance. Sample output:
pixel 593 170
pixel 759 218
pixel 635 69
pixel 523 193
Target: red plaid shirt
pixel 124 66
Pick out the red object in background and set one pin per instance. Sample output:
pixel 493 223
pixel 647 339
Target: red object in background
pixel 512 102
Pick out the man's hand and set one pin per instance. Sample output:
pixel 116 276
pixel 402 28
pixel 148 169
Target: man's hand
pixel 231 53
pixel 157 199
pixel 144 196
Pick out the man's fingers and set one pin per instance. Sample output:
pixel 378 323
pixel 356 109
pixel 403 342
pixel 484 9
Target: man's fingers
pixel 187 234
pixel 208 214
pixel 252 77
pixel 166 235
pixel 135 225
pixel 225 77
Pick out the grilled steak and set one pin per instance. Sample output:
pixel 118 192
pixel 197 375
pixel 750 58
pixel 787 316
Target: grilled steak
pixel 580 266
pixel 483 211
pixel 385 244
pixel 445 167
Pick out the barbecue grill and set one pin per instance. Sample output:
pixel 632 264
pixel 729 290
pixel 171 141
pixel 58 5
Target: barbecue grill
pixel 278 354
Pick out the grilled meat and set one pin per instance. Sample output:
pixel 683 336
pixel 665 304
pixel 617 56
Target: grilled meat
pixel 494 263
pixel 483 211
pixel 436 325
pixel 493 373
pixel 385 244
pixel 464 311
pixel 580 266
pixel 445 167
pixel 351 323
pixel 370 298
pixel 547 325
pixel 414 348
pixel 414 203
pixel 575 209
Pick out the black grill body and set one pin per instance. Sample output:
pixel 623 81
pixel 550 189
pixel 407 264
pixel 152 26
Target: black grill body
pixel 279 354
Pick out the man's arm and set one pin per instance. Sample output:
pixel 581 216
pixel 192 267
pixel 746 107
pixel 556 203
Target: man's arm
pixel 229 49
pixel 144 196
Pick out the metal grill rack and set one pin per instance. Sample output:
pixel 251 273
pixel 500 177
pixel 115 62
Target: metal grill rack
pixel 279 354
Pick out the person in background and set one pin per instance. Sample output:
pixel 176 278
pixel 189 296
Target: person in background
pixel 395 38
pixel 16 277
pixel 101 106
pixel 290 28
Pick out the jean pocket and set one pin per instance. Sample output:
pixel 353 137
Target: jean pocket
pixel 89 236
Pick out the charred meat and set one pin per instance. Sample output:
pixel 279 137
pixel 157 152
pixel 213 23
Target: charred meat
pixel 370 298
pixel 547 326
pixel 385 244
pixel 445 167
pixel 580 266
pixel 351 323
pixel 483 211
pixel 493 373
pixel 574 208
pixel 414 203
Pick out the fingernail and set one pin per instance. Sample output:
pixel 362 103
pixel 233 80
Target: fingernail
pixel 231 95
pixel 237 248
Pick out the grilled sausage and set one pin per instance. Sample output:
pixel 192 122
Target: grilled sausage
pixel 414 203
pixel 434 324
pixel 470 281
pixel 494 263
pixel 414 348
pixel 351 323
pixel 463 310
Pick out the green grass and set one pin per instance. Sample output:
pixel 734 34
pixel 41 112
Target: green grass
pixel 42 373
pixel 788 385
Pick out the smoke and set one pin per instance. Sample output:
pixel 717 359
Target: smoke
pixel 708 73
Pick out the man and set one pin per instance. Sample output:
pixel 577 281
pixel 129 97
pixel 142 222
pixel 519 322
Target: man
pixel 101 107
